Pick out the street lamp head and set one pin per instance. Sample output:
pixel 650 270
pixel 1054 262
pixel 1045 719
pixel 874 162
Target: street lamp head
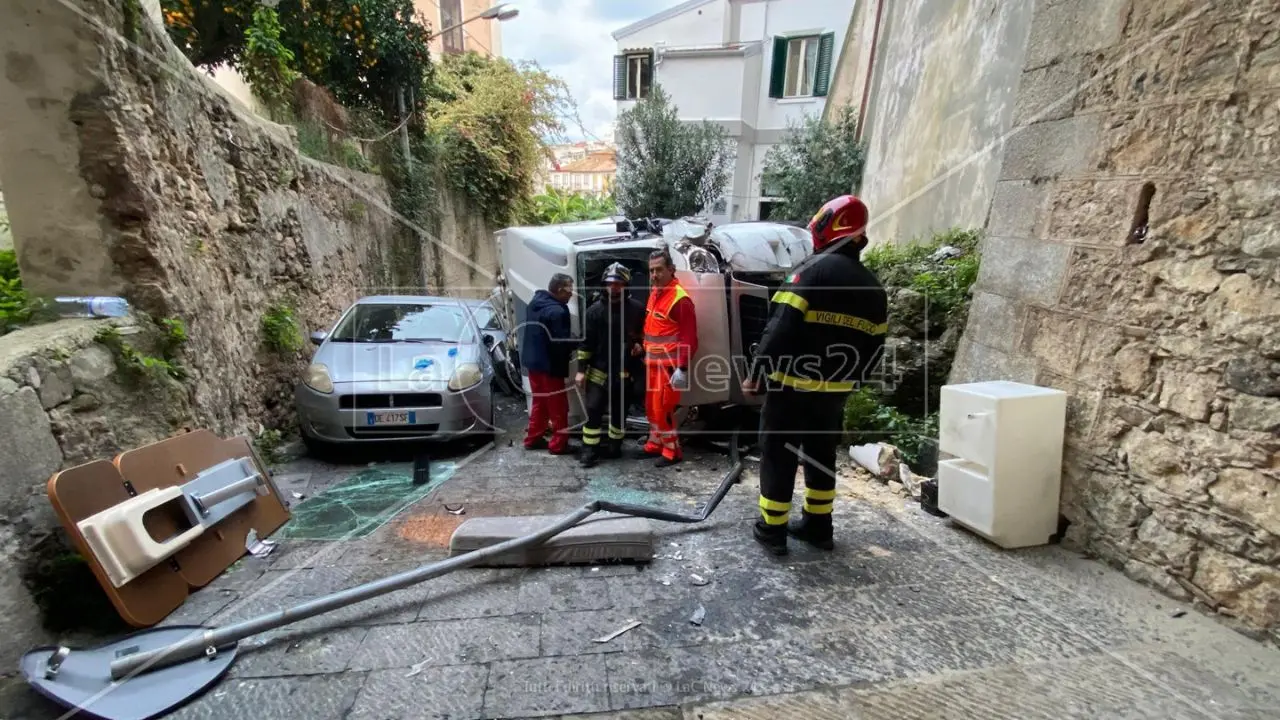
pixel 500 12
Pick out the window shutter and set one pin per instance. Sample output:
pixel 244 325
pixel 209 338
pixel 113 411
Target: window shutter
pixel 826 53
pixel 619 77
pixel 778 73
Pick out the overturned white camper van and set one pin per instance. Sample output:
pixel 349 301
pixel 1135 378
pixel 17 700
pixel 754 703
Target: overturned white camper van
pixel 730 271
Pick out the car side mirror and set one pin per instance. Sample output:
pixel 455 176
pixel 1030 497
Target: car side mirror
pixel 318 337
pixel 488 340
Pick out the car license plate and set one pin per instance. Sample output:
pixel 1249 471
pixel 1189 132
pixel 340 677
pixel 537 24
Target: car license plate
pixel 401 417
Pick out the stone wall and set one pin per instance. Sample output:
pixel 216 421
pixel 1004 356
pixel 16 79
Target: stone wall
pixel 1164 336
pixel 944 82
pixel 142 178
pixel 64 402
pixel 127 171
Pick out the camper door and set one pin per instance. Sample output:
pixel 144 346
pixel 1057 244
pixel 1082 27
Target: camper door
pixel 749 313
pixel 712 378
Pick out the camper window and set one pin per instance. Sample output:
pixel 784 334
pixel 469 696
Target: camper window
pixel 591 266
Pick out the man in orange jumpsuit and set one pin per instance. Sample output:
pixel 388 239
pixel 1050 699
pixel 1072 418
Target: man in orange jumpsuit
pixel 670 340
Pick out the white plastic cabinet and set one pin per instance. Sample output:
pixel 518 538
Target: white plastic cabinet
pixel 1005 480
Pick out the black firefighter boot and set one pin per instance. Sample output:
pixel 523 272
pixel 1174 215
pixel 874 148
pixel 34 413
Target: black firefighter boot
pixel 590 456
pixel 613 449
pixel 772 537
pixel 815 530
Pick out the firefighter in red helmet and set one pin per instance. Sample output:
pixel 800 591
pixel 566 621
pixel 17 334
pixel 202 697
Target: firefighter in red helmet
pixel 825 334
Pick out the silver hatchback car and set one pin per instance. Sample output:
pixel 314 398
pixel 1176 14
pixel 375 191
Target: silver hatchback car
pixel 398 367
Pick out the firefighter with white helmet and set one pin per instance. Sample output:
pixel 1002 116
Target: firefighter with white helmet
pixel 825 332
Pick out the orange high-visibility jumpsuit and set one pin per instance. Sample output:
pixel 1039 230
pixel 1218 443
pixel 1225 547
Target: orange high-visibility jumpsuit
pixel 670 340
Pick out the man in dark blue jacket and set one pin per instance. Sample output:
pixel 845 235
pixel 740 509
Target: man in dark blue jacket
pixel 545 350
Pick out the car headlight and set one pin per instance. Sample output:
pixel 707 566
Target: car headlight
pixel 467 375
pixel 317 378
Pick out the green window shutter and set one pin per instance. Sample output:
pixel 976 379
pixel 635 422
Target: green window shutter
pixel 826 55
pixel 619 77
pixel 778 73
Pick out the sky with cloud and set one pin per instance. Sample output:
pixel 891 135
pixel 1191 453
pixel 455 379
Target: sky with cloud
pixel 573 39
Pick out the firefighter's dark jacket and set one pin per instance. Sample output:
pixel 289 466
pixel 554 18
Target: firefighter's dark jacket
pixel 609 331
pixel 826 328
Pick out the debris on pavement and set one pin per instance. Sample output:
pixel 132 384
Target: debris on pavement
pixel 417 668
pixel 880 459
pixel 910 481
pixel 625 628
pixel 698 580
pixel 297 495
pixel 698 615
pixel 256 547
pixel 460 510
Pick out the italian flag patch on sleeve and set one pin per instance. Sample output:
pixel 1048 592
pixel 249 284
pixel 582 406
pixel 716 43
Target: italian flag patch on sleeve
pixel 795 278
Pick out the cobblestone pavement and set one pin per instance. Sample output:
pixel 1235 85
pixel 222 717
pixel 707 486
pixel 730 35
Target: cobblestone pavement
pixel 909 618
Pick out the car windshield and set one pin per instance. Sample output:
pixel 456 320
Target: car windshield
pixel 403 322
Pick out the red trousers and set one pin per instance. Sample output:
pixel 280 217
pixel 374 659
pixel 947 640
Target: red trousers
pixel 550 411
pixel 660 403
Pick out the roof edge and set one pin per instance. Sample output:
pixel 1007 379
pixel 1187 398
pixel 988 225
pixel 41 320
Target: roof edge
pixel 656 18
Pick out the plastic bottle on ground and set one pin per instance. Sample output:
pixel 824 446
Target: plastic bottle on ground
pixel 91 307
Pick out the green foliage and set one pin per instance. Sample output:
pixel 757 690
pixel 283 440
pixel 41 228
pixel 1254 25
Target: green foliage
pixel 280 331
pixel 364 51
pixel 313 141
pixel 816 162
pixel 868 420
pixel 946 282
pixel 413 197
pixel 173 338
pixel 490 117
pixel 131 12
pixel 268 446
pixel 266 64
pixel 15 307
pixel 138 366
pixel 666 167
pixel 356 210
pixel 555 207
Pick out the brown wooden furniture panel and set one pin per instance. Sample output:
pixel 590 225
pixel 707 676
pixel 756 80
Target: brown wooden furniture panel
pixel 81 492
pixel 86 490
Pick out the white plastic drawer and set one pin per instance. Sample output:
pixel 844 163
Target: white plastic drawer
pixel 967 494
pixel 967 426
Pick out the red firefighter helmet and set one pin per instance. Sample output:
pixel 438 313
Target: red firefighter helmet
pixel 843 217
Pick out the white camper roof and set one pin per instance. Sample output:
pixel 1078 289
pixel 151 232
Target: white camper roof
pixel 747 247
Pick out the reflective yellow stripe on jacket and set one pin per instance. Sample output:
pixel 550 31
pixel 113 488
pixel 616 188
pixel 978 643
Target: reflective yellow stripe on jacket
pixel 800 383
pixel 826 317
